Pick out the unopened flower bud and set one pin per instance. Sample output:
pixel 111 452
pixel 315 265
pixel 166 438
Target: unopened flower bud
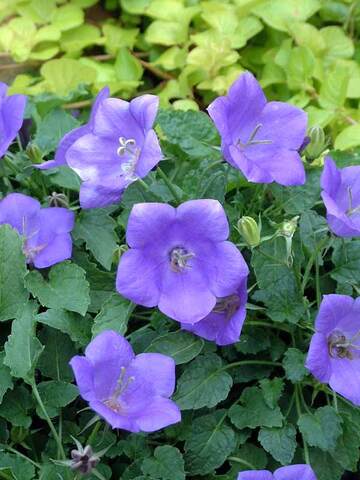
pixel 249 230
pixel 34 153
pixel 83 460
pixel 317 144
pixel 58 200
pixel 18 434
pixel 288 228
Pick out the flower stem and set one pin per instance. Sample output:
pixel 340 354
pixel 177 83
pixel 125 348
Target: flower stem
pixel 298 409
pixel 143 184
pixel 48 419
pixel 243 462
pixel 169 185
pixel 256 323
pixel 93 433
pixel 335 402
pixel 252 362
pixel 19 454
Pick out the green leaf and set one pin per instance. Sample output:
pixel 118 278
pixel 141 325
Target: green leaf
pixel 277 282
pixel 21 469
pixel 22 348
pixel 58 351
pixel 52 128
pixel 272 390
pixel 209 444
pixel 346 258
pixel 167 464
pixel 313 229
pixel 325 465
pixel 181 346
pixel 203 383
pixel 65 74
pixel 12 272
pixel 15 407
pixel 347 451
pixel 348 138
pixel 97 229
pixel 253 455
pixel 254 412
pixel 67 288
pixel 321 429
pixel 193 132
pixel 6 382
pixel 294 365
pixel 279 442
pixel 55 395
pixel 70 323
pixel 114 315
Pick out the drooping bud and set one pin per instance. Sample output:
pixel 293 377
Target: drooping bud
pixel 58 200
pixel 34 153
pixel 287 230
pixel 317 144
pixel 249 230
pixel 83 460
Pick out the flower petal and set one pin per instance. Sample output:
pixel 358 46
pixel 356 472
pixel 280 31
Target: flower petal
pixel 160 413
pixel 318 358
pixel 58 248
pixel 255 475
pixel 113 418
pixel 150 154
pixel 155 369
pixel 345 378
pixel 98 195
pixel 12 117
pixel 294 472
pixel 19 211
pixel 83 372
pixel 332 309
pixel 142 288
pixel 330 177
pixel 144 110
pixel 251 170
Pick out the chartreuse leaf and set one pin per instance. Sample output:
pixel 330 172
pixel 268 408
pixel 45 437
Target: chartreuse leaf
pixel 55 395
pixel 65 74
pixel 203 383
pixel 67 17
pixel 166 464
pixel 210 442
pixel 300 68
pixel 127 67
pixel 254 412
pixel 22 348
pixel 294 365
pixel 348 138
pixel 181 346
pixel 135 6
pixel 114 315
pixel 78 38
pixel 316 431
pixel 5 377
pixel 67 288
pixel 334 88
pixel 279 442
pixel 97 229
pixel 12 272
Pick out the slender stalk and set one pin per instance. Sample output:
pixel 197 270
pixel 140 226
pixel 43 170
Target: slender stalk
pixel 335 402
pixel 169 185
pixel 243 462
pixel 93 433
pixel 252 362
pixel 258 323
pixel 317 281
pixel 143 184
pixel 19 454
pixel 298 409
pixel 48 419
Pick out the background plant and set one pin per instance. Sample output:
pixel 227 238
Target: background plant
pixel 250 405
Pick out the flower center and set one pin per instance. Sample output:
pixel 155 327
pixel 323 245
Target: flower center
pixel 252 141
pixel 129 149
pixel 351 210
pixel 227 305
pixel 179 258
pixel 122 384
pixel 340 346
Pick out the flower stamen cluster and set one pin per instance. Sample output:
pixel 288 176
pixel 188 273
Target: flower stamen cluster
pixel 179 258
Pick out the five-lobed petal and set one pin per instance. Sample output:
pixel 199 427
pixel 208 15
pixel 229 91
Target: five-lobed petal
pixel 45 231
pixel 129 391
pixel 12 109
pixel 185 259
pixel 259 138
pixel 291 472
pixel 341 196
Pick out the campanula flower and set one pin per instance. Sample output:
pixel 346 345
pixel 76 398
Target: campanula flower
pixel 341 196
pixel 334 354
pixel 260 138
pixel 12 110
pixel 129 391
pixel 114 149
pixel 223 325
pixel 45 231
pixel 179 259
pixel 292 472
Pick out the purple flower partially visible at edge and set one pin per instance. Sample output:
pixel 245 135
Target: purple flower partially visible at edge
pixel 292 472
pixel 224 324
pixel 260 138
pixel 341 196
pixel 129 392
pixel 179 259
pixel 45 231
pixel 116 147
pixel 12 110
pixel 334 353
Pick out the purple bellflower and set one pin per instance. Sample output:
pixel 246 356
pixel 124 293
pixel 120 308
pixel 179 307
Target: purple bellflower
pixel 292 472
pixel 334 353
pixel 224 324
pixel 45 231
pixel 341 196
pixel 260 138
pixel 179 259
pixel 129 392
pixel 11 117
pixel 114 149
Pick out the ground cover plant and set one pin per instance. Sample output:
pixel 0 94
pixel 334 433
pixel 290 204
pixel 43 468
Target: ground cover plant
pixel 179 240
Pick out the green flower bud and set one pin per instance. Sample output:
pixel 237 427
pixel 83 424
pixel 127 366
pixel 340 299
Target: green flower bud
pixel 249 230
pixel 34 153
pixel 318 143
pixel 18 434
